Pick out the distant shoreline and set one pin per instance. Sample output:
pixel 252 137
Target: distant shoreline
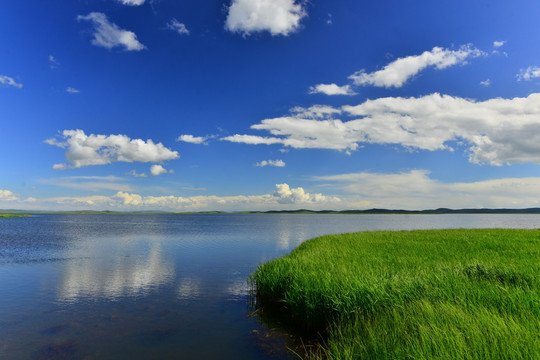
pixel 13 212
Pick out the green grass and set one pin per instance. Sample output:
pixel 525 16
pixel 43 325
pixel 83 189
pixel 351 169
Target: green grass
pixel 433 294
pixel 12 215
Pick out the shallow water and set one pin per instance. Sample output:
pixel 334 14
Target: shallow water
pixel 159 286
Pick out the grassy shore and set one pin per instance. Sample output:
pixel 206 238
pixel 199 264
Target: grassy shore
pixel 13 215
pixel 433 294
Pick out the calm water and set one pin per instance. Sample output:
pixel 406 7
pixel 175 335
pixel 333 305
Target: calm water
pixel 159 286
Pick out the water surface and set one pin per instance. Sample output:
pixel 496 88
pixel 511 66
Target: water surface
pixel 159 286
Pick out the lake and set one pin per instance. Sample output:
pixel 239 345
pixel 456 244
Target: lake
pixel 160 286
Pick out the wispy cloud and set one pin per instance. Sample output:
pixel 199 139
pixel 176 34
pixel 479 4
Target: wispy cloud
pixel 532 72
pixel 498 44
pixel 416 189
pixel 84 150
pixel 89 183
pixel 401 70
pixel 6 80
pixel 485 83
pixel 178 27
pixel 53 62
pixel 72 90
pixel 109 35
pixel 132 2
pixel 276 163
pixel 279 17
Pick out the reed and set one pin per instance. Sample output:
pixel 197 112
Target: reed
pixel 445 294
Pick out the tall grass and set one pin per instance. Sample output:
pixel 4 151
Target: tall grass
pixel 433 294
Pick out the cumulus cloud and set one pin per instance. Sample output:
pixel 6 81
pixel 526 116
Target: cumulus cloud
pixel 416 190
pixel 401 70
pixel 132 2
pixel 529 73
pixel 192 139
pixel 331 89
pixel 72 90
pixel 156 170
pixel 497 131
pixel 498 44
pixel 287 195
pixel 6 80
pixel 276 163
pixel 279 17
pixel 84 150
pixel 284 197
pixel 109 35
pixel 7 195
pixel 178 27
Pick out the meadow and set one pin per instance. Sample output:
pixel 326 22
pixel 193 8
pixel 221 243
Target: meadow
pixel 425 294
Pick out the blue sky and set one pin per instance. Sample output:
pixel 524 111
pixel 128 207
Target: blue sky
pixel 269 104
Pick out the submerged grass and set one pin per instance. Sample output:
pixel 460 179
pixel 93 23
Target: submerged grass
pixel 431 294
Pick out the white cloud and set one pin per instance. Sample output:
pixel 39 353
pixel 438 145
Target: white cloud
pixel 498 44
pixel 253 140
pixel 177 26
pixel 72 90
pixel 401 70
pixel 136 174
pixel 132 2
pixel 485 83
pixel 7 195
pixel 192 139
pixel 529 73
pixel 109 35
pixel 497 131
pixel 416 190
pixel 156 170
pixel 331 89
pixel 84 150
pixel 6 80
pixel 315 112
pixel 279 17
pixel 285 195
pixel 276 163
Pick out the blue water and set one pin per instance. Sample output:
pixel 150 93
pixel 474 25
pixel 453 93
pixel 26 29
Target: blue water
pixel 160 286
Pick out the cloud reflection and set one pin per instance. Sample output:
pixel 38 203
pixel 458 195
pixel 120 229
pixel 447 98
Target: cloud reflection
pixel 123 268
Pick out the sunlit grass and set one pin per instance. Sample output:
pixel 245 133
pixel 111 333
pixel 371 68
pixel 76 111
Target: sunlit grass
pixel 434 294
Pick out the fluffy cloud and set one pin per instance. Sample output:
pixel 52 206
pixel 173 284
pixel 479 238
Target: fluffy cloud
pixel 6 80
pixel 497 131
pixel 498 44
pixel 7 195
pixel 277 163
pixel 331 89
pixel 399 71
pixel 529 73
pixel 132 2
pixel 192 139
pixel 178 27
pixel 285 195
pixel 109 35
pixel 84 150
pixel 156 170
pixel 416 190
pixel 279 17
